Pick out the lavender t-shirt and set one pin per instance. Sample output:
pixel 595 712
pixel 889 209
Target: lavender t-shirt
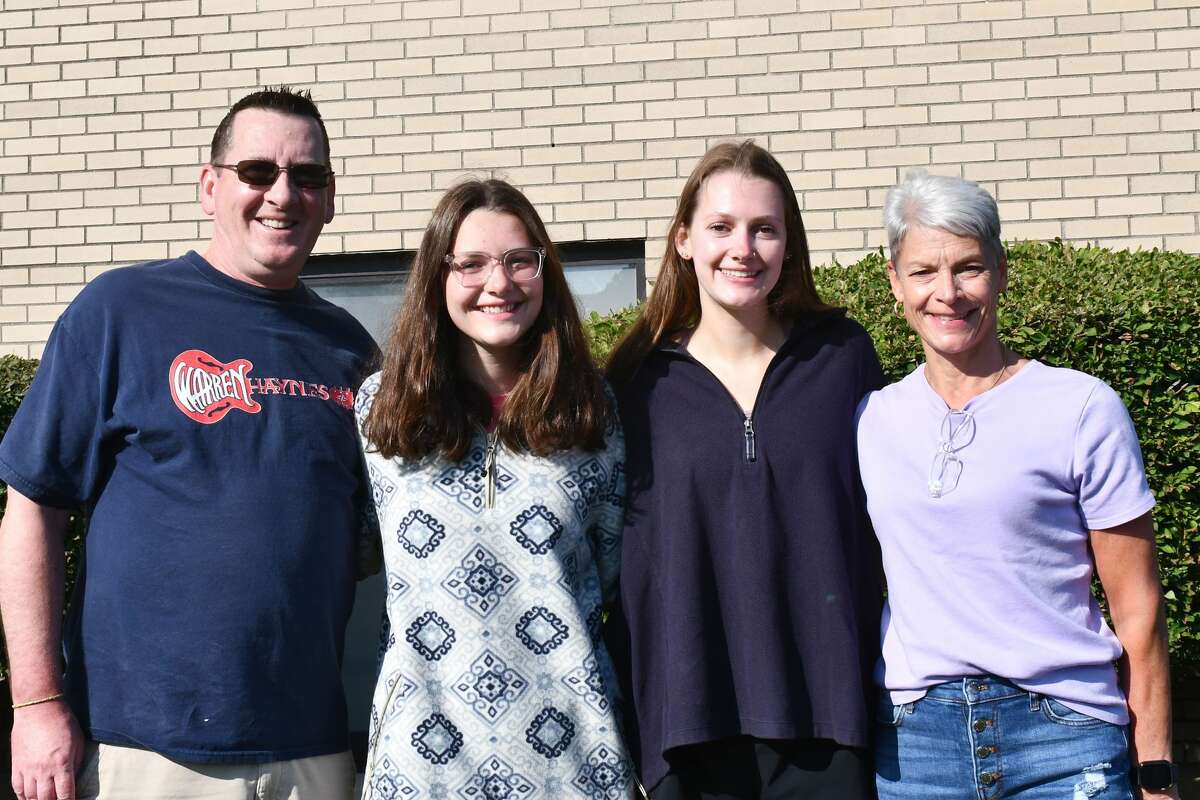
pixel 994 576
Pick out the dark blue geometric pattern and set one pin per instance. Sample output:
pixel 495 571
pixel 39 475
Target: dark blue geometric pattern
pixel 437 739
pixel 550 732
pixel 480 581
pixel 395 586
pixel 398 688
pixel 419 533
pixel 386 637
pixel 595 622
pixel 362 400
pixel 537 529
pixel 495 780
pixel 430 635
pixel 490 686
pixel 463 482
pixel 382 488
pixel 604 775
pixel 373 730
pixel 604 540
pixel 616 483
pixel 466 585
pixel 582 484
pixel 587 682
pixel 570 573
pixel 388 784
pixel 541 630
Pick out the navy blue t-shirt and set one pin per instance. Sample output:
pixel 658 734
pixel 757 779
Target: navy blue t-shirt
pixel 206 425
pixel 749 575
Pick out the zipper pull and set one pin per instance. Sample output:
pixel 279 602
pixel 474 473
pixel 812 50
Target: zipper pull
pixel 489 472
pixel 751 451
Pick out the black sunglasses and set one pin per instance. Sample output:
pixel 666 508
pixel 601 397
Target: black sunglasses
pixel 260 172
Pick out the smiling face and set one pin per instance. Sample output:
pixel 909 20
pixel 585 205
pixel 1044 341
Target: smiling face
pixel 494 317
pixel 949 289
pixel 736 240
pixel 263 235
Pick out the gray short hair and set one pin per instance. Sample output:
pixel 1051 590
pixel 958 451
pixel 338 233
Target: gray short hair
pixel 955 205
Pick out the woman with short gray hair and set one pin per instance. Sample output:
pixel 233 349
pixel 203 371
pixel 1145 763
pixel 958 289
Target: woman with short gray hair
pixel 997 486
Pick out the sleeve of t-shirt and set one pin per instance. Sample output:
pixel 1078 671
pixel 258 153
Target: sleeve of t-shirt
pixel 1108 463
pixel 53 450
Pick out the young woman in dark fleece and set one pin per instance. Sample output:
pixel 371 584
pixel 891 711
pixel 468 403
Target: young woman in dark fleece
pixel 749 571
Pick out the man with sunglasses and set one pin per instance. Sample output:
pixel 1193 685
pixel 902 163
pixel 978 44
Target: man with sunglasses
pixel 199 410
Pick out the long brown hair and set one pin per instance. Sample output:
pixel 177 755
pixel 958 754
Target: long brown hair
pixel 674 304
pixel 427 404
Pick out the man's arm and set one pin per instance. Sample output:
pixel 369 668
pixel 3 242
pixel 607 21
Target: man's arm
pixel 1127 563
pixel 47 745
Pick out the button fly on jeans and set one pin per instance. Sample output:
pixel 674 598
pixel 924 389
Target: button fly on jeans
pixel 983 751
pixel 980 724
pixel 988 778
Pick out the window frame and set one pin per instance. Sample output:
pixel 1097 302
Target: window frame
pixel 371 266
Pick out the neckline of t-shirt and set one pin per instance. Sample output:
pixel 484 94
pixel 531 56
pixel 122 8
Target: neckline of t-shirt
pixel 297 294
pixel 983 397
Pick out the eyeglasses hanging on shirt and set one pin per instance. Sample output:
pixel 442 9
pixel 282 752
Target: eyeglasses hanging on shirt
pixel 956 431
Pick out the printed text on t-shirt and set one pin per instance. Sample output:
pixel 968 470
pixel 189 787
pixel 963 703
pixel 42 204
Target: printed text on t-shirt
pixel 205 389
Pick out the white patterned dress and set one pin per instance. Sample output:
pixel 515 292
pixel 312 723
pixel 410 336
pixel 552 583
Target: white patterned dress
pixel 494 682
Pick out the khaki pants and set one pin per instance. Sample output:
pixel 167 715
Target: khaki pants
pixel 127 773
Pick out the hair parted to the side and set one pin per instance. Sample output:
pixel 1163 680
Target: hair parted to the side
pixel 955 205
pixel 426 403
pixel 283 99
pixel 674 303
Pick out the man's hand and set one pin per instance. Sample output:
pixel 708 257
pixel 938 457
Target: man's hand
pixel 47 750
pixel 47 745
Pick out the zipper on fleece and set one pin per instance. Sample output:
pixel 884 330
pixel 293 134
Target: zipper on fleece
pixel 749 438
pixel 751 449
pixel 489 471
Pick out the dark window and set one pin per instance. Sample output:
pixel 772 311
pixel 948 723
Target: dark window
pixel 603 276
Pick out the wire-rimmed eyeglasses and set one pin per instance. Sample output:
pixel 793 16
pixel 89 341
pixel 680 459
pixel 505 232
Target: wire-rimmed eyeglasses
pixel 521 265
pixel 956 431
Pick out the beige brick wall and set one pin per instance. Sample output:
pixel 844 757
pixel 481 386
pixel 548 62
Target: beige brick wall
pixel 1077 114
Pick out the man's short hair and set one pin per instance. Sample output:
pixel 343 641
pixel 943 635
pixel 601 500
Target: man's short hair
pixel 283 99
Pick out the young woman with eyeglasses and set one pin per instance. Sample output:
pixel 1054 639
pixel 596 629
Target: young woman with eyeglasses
pixel 750 584
pixel 998 486
pixel 496 464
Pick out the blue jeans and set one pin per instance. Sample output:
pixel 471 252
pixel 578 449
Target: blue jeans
pixel 982 738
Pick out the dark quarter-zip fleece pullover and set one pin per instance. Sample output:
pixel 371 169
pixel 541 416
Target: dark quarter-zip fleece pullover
pixel 750 588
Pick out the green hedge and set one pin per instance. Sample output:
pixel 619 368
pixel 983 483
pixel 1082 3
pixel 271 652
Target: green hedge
pixel 1131 319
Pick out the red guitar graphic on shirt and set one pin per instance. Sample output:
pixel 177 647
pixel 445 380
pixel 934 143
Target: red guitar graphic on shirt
pixel 206 389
